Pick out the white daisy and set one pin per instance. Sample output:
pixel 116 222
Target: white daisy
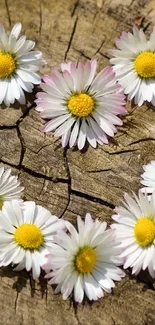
pixel 84 261
pixel 10 188
pixel 148 177
pixel 18 66
pixel 134 65
pixel 81 106
pixel 135 229
pixel 26 234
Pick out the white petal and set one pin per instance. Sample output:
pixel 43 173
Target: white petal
pixel 74 133
pixel 64 127
pixel 65 138
pixel 3 89
pixel 82 135
pixel 52 125
pixel 29 212
pixel 29 76
pixel 91 137
pixel 78 289
pixel 35 266
pixel 28 260
pixel 16 30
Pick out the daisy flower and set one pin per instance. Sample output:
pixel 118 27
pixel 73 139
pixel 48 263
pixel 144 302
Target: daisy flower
pixel 79 105
pixel 84 261
pixel 135 229
pixel 148 177
pixel 26 233
pixel 18 66
pixel 134 65
pixel 10 188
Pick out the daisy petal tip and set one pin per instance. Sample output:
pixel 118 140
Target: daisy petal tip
pixel 44 62
pixel 42 130
pixel 110 51
pixel 80 147
pixel 109 68
pixel 126 195
pixel 93 60
pixel 45 267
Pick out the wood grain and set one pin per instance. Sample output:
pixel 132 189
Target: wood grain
pixel 69 182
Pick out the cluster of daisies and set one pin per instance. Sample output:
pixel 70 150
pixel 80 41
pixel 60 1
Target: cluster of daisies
pixel 79 106
pixel 76 104
pixel 85 260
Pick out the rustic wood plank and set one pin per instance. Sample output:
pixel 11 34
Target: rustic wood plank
pixel 69 182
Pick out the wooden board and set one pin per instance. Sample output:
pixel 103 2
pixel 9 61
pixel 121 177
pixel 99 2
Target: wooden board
pixel 69 182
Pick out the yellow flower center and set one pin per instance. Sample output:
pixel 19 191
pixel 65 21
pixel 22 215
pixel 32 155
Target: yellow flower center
pixel 28 236
pixel 145 65
pixel 144 231
pixel 85 260
pixel 7 64
pixel 81 105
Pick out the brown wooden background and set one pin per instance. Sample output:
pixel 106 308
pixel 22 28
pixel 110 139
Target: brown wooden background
pixel 69 182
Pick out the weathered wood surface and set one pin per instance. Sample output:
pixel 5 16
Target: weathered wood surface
pixel 69 182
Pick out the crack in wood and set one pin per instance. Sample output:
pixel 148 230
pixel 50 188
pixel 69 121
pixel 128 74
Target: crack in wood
pixel 104 55
pixel 82 54
pixel 131 3
pixel 8 163
pixel 25 114
pixel 40 16
pixel 74 8
pixel 93 198
pixel 69 180
pixel 15 306
pixel 120 152
pixel 33 173
pixel 23 147
pixel 146 27
pixel 98 50
pixel 126 173
pixel 45 177
pixel 21 118
pixel 71 38
pixel 44 146
pixel 8 12
pixel 32 284
pixel 75 309
pixel 8 127
pixel 99 170
pixel 141 140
